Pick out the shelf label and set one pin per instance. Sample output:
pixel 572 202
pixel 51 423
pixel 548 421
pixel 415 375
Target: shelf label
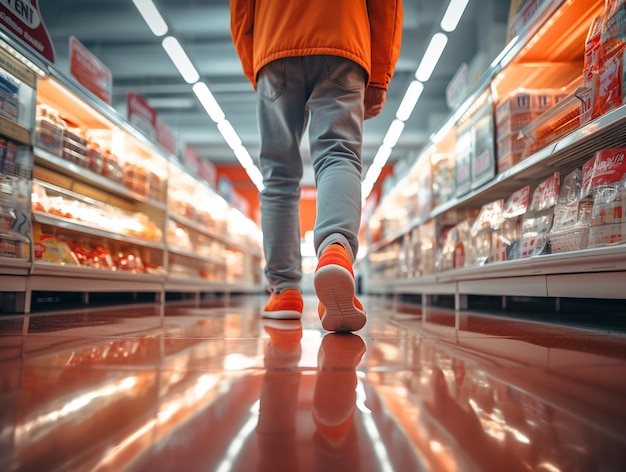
pixel 89 71
pixel 22 18
pixel 14 131
pixel 20 71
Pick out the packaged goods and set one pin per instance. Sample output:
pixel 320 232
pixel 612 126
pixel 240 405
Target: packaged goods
pixel 486 223
pixel 443 172
pixel 506 240
pixel 49 130
pixel 483 162
pixel 49 249
pixel 463 159
pixel 604 178
pixel 513 114
pixel 572 216
pixel 75 146
pixel 9 103
pixel 592 63
pixel 537 222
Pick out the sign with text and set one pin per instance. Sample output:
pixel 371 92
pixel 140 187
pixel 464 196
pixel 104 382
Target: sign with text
pixel 22 18
pixel 89 71
pixel 166 138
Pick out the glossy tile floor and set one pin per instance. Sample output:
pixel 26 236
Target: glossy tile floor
pixel 217 388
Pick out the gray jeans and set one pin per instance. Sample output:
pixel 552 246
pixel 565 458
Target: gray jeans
pixel 327 93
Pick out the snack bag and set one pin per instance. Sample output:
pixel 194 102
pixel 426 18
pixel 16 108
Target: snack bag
pixel 505 244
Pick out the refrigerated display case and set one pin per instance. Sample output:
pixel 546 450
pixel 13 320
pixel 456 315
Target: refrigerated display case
pixel 540 128
pixel 90 204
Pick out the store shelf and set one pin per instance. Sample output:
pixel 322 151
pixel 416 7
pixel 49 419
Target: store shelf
pixel 11 266
pixel 203 230
pixel 185 284
pixel 11 283
pixel 73 225
pixel 63 166
pixel 55 277
pixel 12 130
pixel 195 256
pixel 591 273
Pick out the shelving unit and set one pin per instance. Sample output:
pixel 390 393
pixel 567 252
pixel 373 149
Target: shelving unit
pixel 402 222
pixel 124 210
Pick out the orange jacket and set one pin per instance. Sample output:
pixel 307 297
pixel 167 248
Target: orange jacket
pixel 369 32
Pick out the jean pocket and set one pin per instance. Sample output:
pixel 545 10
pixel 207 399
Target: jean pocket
pixel 345 73
pixel 272 80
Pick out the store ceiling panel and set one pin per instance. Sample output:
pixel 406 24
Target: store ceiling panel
pixel 115 32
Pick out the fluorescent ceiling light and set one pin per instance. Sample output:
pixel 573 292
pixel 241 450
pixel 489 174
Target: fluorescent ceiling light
pixel 409 101
pixel 453 15
pixel 151 16
pixel 431 57
pixel 230 135
pixel 208 101
pixel 180 59
pixel 243 157
pixel 393 134
pixel 381 157
pixel 255 175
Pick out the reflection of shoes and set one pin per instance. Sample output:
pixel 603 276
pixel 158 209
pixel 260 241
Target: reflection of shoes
pixel 286 305
pixel 340 351
pixel 283 349
pixel 284 334
pixel 339 309
pixel 334 398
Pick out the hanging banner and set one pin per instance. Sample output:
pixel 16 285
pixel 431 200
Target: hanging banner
pixel 22 18
pixel 89 71
pixel 142 115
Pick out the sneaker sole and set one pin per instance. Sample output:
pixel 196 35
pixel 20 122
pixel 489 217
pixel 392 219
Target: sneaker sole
pixel 334 287
pixel 282 314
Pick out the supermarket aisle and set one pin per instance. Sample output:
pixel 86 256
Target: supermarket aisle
pixel 216 388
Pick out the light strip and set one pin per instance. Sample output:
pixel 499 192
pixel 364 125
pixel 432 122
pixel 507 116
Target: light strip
pixel 230 135
pixel 151 16
pixel 431 56
pixel 180 59
pixel 243 157
pixel 393 134
pixel 409 101
pixel 208 101
pixel 453 15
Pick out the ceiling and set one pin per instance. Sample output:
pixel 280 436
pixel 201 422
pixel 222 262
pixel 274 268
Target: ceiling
pixel 115 32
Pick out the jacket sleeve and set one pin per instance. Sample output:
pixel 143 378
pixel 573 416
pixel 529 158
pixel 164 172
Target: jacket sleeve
pixel 385 18
pixel 241 29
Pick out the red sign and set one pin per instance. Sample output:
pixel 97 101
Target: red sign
pixel 89 71
pixel 22 18
pixel 142 115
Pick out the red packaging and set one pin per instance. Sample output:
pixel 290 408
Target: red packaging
pixel 606 167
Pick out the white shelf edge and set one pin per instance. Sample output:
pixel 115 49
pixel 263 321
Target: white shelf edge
pixel 193 255
pixel 93 178
pixel 65 223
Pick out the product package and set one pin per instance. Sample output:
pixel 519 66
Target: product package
pixel 604 178
pixel 538 220
pixel 572 216
pixel 488 221
pixel 514 113
pixel 506 240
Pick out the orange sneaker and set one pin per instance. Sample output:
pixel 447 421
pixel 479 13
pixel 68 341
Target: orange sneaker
pixel 286 305
pixel 339 310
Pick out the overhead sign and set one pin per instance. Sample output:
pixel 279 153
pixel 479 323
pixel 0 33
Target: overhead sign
pixel 90 72
pixel 22 18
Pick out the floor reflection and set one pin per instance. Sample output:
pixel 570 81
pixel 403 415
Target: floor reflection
pixel 219 388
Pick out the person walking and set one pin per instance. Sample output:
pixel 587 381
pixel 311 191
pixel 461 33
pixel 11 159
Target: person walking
pixel 326 64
